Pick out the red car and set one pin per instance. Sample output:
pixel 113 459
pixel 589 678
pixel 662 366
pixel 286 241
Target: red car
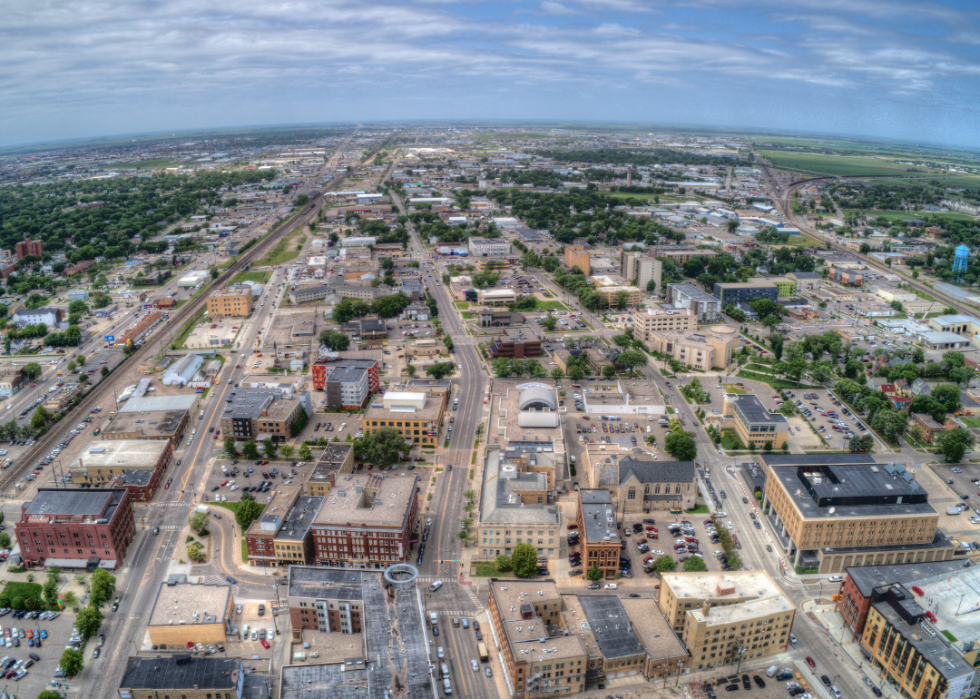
pixel 224 483
pixel 265 643
pixel 809 661
pixel 572 526
pixel 166 485
pixel 190 644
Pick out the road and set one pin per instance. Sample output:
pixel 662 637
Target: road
pixel 151 557
pixel 446 509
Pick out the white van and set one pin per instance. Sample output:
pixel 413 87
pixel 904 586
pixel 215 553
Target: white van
pixel 446 687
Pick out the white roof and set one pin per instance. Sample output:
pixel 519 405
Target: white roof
pixel 535 419
pixel 404 395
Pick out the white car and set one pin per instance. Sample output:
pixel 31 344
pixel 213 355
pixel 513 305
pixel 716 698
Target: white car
pixel 657 552
pixel 956 469
pixel 728 524
pixel 835 578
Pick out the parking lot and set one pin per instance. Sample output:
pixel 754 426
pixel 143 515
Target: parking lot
pixel 665 542
pixel 54 635
pixel 816 404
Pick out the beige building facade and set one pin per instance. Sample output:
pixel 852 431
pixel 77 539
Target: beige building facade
pixel 658 320
pixel 703 352
pixel 230 303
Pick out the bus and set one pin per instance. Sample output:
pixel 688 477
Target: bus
pixel 484 655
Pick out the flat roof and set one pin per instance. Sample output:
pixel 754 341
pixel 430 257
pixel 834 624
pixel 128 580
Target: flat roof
pixel 525 635
pixel 599 516
pixel 500 504
pixel 653 630
pixel 159 424
pixel 181 672
pixel 947 661
pixel 955 597
pixel 746 583
pixel 300 517
pixel 177 604
pixel 755 284
pixel 251 403
pixel 610 624
pixel 754 411
pixel 149 404
pixel 75 502
pixel 750 609
pixel 947 320
pixel 942 336
pixel 368 500
pixel 120 453
pixel 867 578
pixel 318 582
pixel 274 511
pixel 815 459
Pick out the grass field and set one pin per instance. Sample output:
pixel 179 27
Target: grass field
pixel 259 277
pixel 551 306
pixel 189 327
pixel 902 215
pixel 285 251
pixel 834 164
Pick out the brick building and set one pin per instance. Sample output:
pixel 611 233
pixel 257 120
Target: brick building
pixel 322 368
pixel 75 528
pixel 183 676
pixel 328 600
pixel 29 247
pixel 366 521
pixel 137 465
pixel 598 533
pixel 515 346
pixel 233 302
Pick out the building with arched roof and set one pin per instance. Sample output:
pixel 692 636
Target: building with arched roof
pixel 537 398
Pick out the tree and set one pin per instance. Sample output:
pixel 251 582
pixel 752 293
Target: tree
pixel 88 621
pixel 230 450
pixel 947 395
pixel 70 599
pixel 557 374
pixel 681 445
pixel 918 355
pixel 623 341
pixel 70 367
pixel 549 323
pixel 247 512
pixel 862 443
pixel 299 421
pixel 631 359
pixel 594 574
pixel 199 522
pixel 304 452
pixel 32 370
pixel 384 446
pixel 609 371
pixel 335 340
pixel 287 450
pixel 525 560
pixel 103 586
pixel 4 540
pixel 71 662
pixel 105 371
pixel 39 420
pixel 83 378
pixel 270 448
pixel 694 564
pixel 664 564
pixel 504 564
pixel 214 272
pixel 49 694
pixel 439 370
pixel 410 370
pixel 249 450
pixel 953 444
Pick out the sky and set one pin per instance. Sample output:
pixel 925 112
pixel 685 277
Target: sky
pixel 907 70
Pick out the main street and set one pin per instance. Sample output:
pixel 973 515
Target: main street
pixel 444 548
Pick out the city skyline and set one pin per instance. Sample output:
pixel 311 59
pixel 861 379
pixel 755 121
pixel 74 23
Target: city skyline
pixel 893 70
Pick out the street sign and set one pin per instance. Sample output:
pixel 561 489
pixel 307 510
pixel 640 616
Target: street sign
pixel 110 338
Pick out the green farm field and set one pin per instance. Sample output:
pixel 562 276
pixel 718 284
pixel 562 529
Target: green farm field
pixel 834 164
pixel 902 215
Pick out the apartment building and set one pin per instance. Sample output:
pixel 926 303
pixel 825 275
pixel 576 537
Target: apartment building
pixel 620 296
pixel 262 413
pixel 29 247
pixel 181 677
pixel 833 511
pixel 785 287
pixel 744 292
pixel 366 521
pixel 416 416
pixel 706 308
pixel 598 533
pixel 328 600
pixel 655 319
pixel 678 254
pixel 233 302
pixel 578 256
pixel 906 652
pixel 34 316
pixel 721 616
pixel 639 269
pixel 323 368
pixel 522 613
pixel 76 528
pixel 698 351
pixel 485 247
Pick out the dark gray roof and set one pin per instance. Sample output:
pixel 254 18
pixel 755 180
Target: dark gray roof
pixel 815 459
pixel 611 626
pixel 137 477
pixel 373 325
pixel 346 374
pixel 806 275
pixel 656 471
pixel 324 583
pixel 599 516
pixel 299 519
pixel 755 412
pixel 867 578
pixel 181 672
pixel 75 502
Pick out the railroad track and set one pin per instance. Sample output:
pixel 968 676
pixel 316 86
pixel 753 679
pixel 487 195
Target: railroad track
pixel 177 319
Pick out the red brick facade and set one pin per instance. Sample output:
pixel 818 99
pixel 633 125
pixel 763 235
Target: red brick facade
pixel 29 247
pixel 853 606
pixel 305 617
pixel 106 534
pixel 320 375
pixel 348 545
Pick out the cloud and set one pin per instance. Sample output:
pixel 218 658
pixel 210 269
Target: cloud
pixel 75 69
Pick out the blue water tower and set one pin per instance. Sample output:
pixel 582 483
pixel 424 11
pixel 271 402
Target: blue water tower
pixel 960 260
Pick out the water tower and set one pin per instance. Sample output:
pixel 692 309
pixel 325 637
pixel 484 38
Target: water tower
pixel 960 260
